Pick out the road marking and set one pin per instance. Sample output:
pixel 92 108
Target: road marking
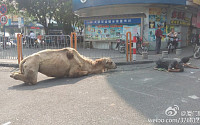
pixel 135 91
pixel 7 123
pixel 193 97
pixel 147 79
pixel 184 100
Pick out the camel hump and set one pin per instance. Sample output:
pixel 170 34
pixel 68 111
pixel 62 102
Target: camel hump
pixel 70 55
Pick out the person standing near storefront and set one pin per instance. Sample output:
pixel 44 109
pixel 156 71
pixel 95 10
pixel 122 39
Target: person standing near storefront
pixel 158 39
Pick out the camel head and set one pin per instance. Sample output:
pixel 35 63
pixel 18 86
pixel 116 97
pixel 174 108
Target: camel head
pixel 107 63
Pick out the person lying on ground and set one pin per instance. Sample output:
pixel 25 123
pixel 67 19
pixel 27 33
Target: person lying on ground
pixel 170 65
pixel 185 62
pixel 173 65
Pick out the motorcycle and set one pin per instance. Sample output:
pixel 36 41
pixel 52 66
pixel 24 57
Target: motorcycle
pixel 121 45
pixel 172 44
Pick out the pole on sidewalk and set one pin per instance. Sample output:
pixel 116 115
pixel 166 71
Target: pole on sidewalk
pixel 19 47
pixel 128 46
pixel 134 48
pixel 4 37
pixel 73 41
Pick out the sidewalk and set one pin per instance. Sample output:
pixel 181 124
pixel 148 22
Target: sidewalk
pixel 186 52
pixel 152 57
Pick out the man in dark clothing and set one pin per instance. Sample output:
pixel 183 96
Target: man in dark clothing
pixel 158 39
pixel 171 65
pixel 174 65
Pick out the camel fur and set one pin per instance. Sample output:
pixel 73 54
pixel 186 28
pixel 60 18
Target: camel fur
pixel 66 62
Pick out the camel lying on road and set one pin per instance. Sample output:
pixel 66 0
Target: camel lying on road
pixel 66 62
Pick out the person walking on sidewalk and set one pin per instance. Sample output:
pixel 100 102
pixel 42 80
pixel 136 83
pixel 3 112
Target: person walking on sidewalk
pixel 159 35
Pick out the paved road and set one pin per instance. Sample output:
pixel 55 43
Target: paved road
pixel 129 95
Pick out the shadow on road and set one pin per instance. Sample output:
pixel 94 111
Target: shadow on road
pixel 51 82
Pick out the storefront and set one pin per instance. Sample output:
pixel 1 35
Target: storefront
pixel 110 20
pixel 105 30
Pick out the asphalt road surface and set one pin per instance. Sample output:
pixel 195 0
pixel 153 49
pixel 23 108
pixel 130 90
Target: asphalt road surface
pixel 129 95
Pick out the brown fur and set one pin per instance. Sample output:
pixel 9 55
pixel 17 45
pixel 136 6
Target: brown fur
pixel 66 62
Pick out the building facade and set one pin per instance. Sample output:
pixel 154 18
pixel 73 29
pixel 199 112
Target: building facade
pixel 105 21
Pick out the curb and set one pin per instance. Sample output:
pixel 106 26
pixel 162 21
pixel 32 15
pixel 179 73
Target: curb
pixel 9 65
pixel 132 63
pixel 117 63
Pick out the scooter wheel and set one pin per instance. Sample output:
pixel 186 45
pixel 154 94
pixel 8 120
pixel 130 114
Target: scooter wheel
pixel 197 54
pixel 140 50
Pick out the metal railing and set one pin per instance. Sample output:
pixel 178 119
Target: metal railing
pixel 30 46
pixel 91 49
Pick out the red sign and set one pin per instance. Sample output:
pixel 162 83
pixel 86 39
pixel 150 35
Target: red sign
pixel 107 26
pixel 35 28
pixel 3 19
pixel 3 9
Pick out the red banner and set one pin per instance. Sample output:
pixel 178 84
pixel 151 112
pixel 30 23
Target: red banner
pixel 198 19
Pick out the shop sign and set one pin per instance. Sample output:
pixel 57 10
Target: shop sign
pixel 114 21
pixel 180 18
pixel 196 2
pixel 109 26
pixel 35 28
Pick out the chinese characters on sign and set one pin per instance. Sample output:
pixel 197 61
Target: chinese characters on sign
pixel 180 18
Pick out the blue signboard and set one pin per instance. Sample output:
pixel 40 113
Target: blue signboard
pixel 3 9
pixel 113 21
pixel 80 4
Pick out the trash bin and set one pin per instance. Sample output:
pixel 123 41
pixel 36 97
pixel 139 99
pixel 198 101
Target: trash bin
pixel 144 55
pixel 165 54
pixel 178 52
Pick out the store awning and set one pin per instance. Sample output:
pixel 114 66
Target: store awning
pixel 140 15
pixel 34 25
pixel 82 4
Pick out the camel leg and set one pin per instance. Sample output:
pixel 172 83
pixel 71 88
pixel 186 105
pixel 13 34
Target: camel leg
pixel 30 73
pixel 76 72
pixel 18 76
pixel 30 77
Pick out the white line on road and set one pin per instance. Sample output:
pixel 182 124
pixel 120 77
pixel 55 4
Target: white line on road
pixel 135 91
pixel 7 123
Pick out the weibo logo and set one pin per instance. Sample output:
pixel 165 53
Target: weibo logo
pixel 83 1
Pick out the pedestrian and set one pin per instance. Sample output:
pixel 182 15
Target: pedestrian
pixel 32 38
pixel 159 35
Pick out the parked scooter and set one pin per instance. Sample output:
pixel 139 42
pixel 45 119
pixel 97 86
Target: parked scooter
pixel 196 46
pixel 196 51
pixel 172 44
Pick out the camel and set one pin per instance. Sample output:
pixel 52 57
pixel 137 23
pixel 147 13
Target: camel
pixel 66 62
